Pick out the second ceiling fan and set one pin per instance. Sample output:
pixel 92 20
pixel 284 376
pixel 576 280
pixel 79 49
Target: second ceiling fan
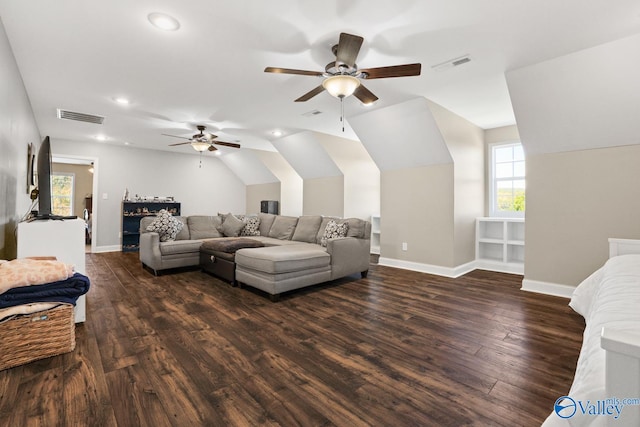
pixel 203 141
pixel 342 76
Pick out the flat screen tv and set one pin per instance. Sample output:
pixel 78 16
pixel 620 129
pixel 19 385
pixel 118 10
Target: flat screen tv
pixel 45 170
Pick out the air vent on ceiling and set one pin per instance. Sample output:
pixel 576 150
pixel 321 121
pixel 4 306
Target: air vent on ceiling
pixel 80 117
pixel 312 113
pixel 455 62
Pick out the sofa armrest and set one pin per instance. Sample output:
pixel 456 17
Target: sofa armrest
pixel 150 250
pixel 349 255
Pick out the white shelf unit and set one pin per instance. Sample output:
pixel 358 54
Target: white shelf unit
pixel 375 234
pixel 500 244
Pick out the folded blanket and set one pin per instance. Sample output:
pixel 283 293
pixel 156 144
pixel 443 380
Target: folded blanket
pixel 67 291
pixel 11 312
pixel 26 272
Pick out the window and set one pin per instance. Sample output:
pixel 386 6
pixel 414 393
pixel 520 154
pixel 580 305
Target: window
pixel 507 180
pixel 62 186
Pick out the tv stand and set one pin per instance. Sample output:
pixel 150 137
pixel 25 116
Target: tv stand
pixel 62 239
pixel 51 217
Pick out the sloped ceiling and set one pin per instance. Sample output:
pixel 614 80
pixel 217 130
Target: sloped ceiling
pixel 306 155
pixel 402 136
pixel 248 167
pixel 587 99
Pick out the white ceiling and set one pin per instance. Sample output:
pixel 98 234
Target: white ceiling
pixel 81 54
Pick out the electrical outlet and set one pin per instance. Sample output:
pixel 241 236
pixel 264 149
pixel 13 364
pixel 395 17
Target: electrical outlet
pixel 105 196
pixel 404 246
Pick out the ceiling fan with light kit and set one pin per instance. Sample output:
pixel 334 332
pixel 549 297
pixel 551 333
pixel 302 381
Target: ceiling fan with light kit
pixel 203 141
pixel 342 77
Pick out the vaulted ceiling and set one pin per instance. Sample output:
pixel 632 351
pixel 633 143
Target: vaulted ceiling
pixel 81 55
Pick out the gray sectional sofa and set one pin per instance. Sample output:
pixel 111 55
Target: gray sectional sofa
pixel 293 255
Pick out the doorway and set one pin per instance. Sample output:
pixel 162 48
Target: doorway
pixel 83 204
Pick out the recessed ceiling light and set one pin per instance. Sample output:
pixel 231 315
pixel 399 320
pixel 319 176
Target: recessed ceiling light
pixel 163 21
pixel 277 133
pixel 121 100
pixel 127 143
pixel 217 153
pixel 101 137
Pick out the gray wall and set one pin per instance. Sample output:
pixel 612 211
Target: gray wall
pixel 17 129
pixel 207 190
pixel 323 196
pixel 575 201
pixel 259 192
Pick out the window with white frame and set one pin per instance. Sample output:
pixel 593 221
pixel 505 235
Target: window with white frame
pixel 62 185
pixel 507 180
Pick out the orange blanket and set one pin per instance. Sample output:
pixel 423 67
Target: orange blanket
pixel 26 272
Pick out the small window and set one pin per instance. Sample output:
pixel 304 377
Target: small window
pixel 62 185
pixel 507 179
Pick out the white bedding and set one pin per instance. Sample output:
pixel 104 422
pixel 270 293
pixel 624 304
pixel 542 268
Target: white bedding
pixel 609 297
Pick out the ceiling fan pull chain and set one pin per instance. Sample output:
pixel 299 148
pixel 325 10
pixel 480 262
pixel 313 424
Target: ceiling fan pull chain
pixel 200 165
pixel 342 111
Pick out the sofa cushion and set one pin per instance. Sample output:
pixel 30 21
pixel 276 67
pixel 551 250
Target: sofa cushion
pixel 180 247
pixel 307 228
pixel 334 231
pixel 251 226
pixel 204 227
pixel 356 227
pixel 283 259
pixel 283 227
pixel 231 226
pixel 266 221
pixel 184 233
pixel 166 225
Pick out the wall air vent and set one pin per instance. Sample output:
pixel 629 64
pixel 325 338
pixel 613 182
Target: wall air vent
pixel 79 117
pixel 455 62
pixel 312 113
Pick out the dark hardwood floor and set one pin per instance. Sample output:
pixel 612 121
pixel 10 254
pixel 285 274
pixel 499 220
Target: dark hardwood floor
pixel 398 348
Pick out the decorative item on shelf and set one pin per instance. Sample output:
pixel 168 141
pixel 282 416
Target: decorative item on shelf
pixel 126 195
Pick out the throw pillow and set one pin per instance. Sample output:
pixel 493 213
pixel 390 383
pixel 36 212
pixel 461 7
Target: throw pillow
pixel 231 226
pixel 165 225
pixel 251 226
pixel 334 231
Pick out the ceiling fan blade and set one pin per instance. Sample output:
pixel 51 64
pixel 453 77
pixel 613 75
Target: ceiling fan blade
pixel 365 95
pixel 348 49
pixel 307 96
pixel 179 143
pixel 226 144
pixel 405 70
pixel 292 71
pixel 212 148
pixel 174 136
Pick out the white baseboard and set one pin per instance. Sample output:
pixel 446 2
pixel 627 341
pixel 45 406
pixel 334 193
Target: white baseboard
pixel 547 288
pixel 451 272
pixel 112 248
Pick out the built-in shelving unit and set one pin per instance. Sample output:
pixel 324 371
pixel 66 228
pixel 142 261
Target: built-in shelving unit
pixel 375 234
pixel 133 212
pixel 500 244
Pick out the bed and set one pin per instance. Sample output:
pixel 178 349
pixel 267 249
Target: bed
pixel 606 386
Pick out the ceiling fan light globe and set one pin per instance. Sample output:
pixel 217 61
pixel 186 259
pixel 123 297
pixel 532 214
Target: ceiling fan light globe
pixel 341 86
pixel 200 146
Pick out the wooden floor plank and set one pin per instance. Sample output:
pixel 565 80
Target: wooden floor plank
pixel 397 348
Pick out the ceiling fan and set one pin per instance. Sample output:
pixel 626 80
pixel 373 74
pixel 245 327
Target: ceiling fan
pixel 342 77
pixel 203 141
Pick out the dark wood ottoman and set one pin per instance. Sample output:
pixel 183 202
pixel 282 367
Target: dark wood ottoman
pixel 217 256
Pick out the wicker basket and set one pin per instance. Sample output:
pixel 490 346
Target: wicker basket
pixel 35 336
